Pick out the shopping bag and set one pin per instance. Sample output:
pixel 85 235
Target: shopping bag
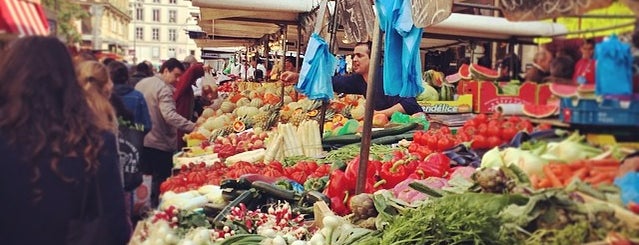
pixel 142 196
pixel 315 79
pixel 130 143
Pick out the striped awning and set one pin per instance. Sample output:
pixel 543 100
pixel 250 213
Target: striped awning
pixel 23 18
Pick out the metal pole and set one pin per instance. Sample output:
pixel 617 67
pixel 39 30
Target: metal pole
pixel 297 57
pixel 364 151
pixel 284 37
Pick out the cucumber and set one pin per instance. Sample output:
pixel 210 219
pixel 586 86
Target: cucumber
pixel 354 138
pixel 388 140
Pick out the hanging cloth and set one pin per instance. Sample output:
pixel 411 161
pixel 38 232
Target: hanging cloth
pixel 402 41
pixel 613 74
pixel 317 70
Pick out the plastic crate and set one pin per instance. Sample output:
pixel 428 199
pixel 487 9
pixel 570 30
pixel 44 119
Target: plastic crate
pixel 604 112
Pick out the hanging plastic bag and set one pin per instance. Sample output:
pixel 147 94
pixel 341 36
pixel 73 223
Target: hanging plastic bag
pixel 317 69
pixel 629 185
pixel 613 70
pixel 402 44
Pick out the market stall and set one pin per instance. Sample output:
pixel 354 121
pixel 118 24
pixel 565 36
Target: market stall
pixel 473 169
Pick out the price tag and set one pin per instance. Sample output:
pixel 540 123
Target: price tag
pixel 527 10
pixel 429 12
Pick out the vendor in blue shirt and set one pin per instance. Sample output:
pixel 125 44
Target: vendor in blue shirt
pixel 357 82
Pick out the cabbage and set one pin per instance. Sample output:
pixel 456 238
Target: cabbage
pixel 429 94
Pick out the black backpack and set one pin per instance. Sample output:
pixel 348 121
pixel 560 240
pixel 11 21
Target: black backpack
pixel 258 75
pixel 130 143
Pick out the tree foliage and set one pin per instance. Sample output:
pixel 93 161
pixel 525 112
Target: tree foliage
pixel 68 12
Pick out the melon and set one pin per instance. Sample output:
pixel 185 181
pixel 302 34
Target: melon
pixel 563 90
pixel 540 111
pixel 481 72
pixel 257 103
pixel 464 72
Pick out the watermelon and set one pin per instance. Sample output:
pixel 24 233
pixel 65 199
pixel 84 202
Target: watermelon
pixel 563 90
pixel 481 72
pixel 540 111
pixel 464 72
pixel 453 78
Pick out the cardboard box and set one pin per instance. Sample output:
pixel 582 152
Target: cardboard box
pixel 463 104
pixel 486 97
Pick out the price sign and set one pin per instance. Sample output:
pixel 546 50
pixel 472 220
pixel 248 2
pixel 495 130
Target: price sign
pixel 357 18
pixel 429 12
pixel 528 10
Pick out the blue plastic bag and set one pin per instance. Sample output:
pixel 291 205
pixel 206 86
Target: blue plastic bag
pixel 402 43
pixel 315 79
pixel 613 70
pixel 629 185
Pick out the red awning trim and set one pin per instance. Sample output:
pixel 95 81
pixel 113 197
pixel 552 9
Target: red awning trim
pixel 25 18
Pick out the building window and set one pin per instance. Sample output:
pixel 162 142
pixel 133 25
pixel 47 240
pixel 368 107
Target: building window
pixel 172 35
pixel 156 34
pixel 139 14
pixel 192 52
pixel 139 33
pixel 156 1
pixel 171 52
pixel 155 52
pixel 173 1
pixel 172 16
pixel 156 15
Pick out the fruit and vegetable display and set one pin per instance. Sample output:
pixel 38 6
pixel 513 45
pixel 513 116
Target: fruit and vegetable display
pixel 272 177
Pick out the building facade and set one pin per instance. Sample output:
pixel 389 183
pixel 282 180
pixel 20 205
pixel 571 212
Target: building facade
pixel 159 30
pixel 105 30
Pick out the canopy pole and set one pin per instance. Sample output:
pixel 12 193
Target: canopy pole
pixel 364 151
pixel 284 37
pixel 297 56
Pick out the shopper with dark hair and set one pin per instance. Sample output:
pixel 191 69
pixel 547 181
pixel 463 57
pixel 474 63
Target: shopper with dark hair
pixel 357 83
pixel 159 143
pixel 59 159
pixel 505 71
pixel 142 70
pixel 584 70
pixel 133 100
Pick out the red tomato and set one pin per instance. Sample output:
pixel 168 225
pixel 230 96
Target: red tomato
pixel 418 137
pixel 493 131
pixel 496 115
pixel 514 119
pixel 525 125
pixel 463 137
pixel 481 118
pixel 508 133
pixel 479 142
pixel 432 142
pixel 544 126
pixel 444 130
pixel 493 141
pixel 470 123
pixel 469 130
pixel 444 143
pixel 482 129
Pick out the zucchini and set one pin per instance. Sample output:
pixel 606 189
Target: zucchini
pixel 354 138
pixel 273 190
pixel 391 139
pixel 425 189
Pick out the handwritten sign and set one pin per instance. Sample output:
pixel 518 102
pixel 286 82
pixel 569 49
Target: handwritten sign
pixel 527 10
pixel 429 12
pixel 357 18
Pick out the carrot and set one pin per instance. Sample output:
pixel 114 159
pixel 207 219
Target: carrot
pixel 599 178
pixel 610 162
pixel 544 183
pixel 552 177
pixel 580 173
pixel 534 180
pixel 577 165
pixel 605 169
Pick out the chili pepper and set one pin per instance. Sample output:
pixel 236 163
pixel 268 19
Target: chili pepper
pixel 393 173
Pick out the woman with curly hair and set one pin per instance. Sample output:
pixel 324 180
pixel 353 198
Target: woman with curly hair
pixel 60 163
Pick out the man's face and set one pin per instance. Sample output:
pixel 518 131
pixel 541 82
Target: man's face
pixel 361 60
pixel 171 76
pixel 587 50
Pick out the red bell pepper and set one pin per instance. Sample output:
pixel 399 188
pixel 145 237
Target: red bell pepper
pixel 436 165
pixel 393 173
pixel 371 171
pixel 339 184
